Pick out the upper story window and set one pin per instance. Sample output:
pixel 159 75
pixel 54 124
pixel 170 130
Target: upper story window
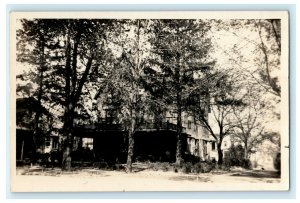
pixel 195 127
pixel 189 124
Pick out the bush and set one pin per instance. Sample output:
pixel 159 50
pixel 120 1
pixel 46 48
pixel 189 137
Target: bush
pixel 185 167
pixel 163 166
pixel 246 163
pixel 235 157
pixel 224 167
pixel 43 158
pixel 277 161
pixel 153 167
pixel 197 168
pixel 56 157
pixel 207 167
pixel 191 158
pixel 200 167
pixel 101 165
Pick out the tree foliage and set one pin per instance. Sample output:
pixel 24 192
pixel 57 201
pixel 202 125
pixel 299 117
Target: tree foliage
pixel 180 51
pixel 63 52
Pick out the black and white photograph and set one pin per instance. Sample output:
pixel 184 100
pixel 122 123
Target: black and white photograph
pixel 149 101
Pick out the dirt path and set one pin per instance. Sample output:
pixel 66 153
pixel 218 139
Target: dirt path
pixel 100 180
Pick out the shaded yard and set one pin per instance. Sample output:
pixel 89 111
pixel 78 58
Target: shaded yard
pixel 143 178
pixel 146 170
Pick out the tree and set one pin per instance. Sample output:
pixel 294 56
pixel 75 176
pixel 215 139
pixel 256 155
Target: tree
pixel 249 125
pixel 84 41
pixel 270 46
pixel 72 48
pixel 122 80
pixel 180 49
pixel 32 51
pixel 215 116
pixel 236 157
pixel 254 54
pixel 256 49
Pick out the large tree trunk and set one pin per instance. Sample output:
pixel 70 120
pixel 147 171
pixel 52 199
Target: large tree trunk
pixel 67 159
pixel 179 121
pixel 220 154
pixel 133 110
pixel 130 151
pixel 41 70
pixel 179 132
pixel 72 95
pixel 68 115
pixel 130 145
pixel 246 152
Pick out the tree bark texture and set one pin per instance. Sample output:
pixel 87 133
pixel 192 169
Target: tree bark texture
pixel 220 154
pixel 130 145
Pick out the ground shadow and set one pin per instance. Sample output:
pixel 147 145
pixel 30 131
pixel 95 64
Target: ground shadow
pixel 258 174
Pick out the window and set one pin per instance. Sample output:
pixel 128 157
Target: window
pixel 213 145
pixel 54 143
pixel 47 141
pixel 88 143
pixel 189 124
pixel 205 147
pixel 111 115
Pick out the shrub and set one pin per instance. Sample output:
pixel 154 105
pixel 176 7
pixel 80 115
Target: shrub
pixel 197 168
pixel 101 165
pixel 163 166
pixel 277 161
pixel 200 167
pixel 207 167
pixel 246 163
pixel 235 157
pixel 56 157
pixel 187 167
pixel 153 167
pixel 191 158
pixel 224 167
pixel 44 158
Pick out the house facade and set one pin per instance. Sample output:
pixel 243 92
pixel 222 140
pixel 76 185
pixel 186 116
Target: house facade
pixel 107 138
pixel 153 140
pixel 31 141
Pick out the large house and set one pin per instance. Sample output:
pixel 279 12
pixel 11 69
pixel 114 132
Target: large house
pixel 153 140
pixel 107 138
